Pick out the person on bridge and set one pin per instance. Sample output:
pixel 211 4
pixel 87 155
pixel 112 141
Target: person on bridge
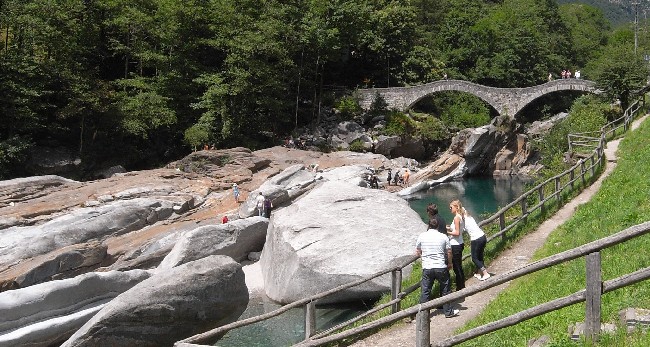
pixel 477 245
pixel 435 250
pixel 577 74
pixel 550 77
pixel 456 239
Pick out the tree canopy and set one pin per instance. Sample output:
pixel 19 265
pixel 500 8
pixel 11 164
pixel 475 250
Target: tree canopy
pixel 146 81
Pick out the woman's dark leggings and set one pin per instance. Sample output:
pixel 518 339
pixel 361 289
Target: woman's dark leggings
pixel 457 262
pixel 477 248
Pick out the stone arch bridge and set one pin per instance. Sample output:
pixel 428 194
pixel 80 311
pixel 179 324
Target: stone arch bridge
pixel 507 101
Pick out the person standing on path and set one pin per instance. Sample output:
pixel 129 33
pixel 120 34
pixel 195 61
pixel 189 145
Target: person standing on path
pixel 435 250
pixel 477 245
pixel 259 204
pixel 235 192
pixel 457 244
pixel 432 211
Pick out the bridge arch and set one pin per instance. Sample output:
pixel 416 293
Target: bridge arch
pixel 507 101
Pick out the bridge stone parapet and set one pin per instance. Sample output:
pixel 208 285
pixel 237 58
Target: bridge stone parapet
pixel 507 101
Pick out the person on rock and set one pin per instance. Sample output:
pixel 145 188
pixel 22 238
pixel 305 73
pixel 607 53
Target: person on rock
pixel 259 204
pixel 435 250
pixel 268 205
pixel 235 192
pixel 390 176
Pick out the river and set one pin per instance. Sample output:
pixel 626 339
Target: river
pixel 481 196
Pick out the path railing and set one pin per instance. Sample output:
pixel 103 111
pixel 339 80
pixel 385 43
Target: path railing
pixel 591 295
pixel 548 192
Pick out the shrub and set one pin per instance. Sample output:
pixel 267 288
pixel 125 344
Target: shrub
pixel 432 129
pixel 398 123
pixel 357 146
pixel 348 108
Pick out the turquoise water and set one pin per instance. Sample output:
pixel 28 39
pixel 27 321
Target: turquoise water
pixel 288 328
pixel 481 196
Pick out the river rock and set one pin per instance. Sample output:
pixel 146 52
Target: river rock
pixel 47 314
pixel 53 160
pixel 385 144
pixel 281 188
pixel 65 262
pixel 347 132
pixel 82 225
pixel 235 239
pixel 169 306
pixel 353 174
pixel 335 234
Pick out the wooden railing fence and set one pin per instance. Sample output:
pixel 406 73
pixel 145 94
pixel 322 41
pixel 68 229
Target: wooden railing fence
pixel 547 192
pixel 591 295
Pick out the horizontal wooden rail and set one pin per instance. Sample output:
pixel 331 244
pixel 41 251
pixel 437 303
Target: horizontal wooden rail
pixel 577 297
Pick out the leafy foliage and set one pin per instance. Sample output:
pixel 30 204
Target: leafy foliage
pixel 398 123
pixel 148 80
pixel 348 108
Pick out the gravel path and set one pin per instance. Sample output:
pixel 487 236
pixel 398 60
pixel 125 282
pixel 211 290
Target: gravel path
pixel 403 334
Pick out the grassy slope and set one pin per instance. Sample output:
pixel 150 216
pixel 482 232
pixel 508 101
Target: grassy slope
pixel 622 201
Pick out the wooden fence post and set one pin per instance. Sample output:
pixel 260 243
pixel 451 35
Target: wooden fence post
pixel 558 192
pixel 571 177
pixel 593 166
pixel 396 288
pixel 592 297
pixel 423 329
pixel 540 191
pixel 582 171
pixel 524 210
pixel 310 319
pixel 502 225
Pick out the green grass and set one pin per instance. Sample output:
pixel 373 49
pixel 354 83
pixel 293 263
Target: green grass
pixel 622 201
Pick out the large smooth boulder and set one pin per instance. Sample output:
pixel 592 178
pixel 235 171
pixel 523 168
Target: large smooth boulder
pixel 82 225
pixel 169 306
pixel 285 186
pixel 47 314
pixel 353 174
pixel 65 262
pixel 235 239
pixel 335 234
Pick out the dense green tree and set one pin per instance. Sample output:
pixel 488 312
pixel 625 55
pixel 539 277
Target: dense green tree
pixel 589 31
pixel 619 72
pixel 147 80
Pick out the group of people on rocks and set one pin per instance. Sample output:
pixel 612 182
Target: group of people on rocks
pixel 263 204
pixel 397 178
pixel 441 249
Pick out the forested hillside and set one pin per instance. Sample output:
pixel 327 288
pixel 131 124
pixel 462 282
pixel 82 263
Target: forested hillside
pixel 618 12
pixel 140 83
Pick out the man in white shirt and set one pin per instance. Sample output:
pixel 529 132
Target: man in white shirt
pixel 435 250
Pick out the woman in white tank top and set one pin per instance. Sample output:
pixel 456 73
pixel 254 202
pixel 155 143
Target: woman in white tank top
pixel 477 245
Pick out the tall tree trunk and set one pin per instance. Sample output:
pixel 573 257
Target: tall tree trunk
pixel 302 55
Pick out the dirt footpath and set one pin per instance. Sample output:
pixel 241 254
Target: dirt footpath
pixel 403 334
